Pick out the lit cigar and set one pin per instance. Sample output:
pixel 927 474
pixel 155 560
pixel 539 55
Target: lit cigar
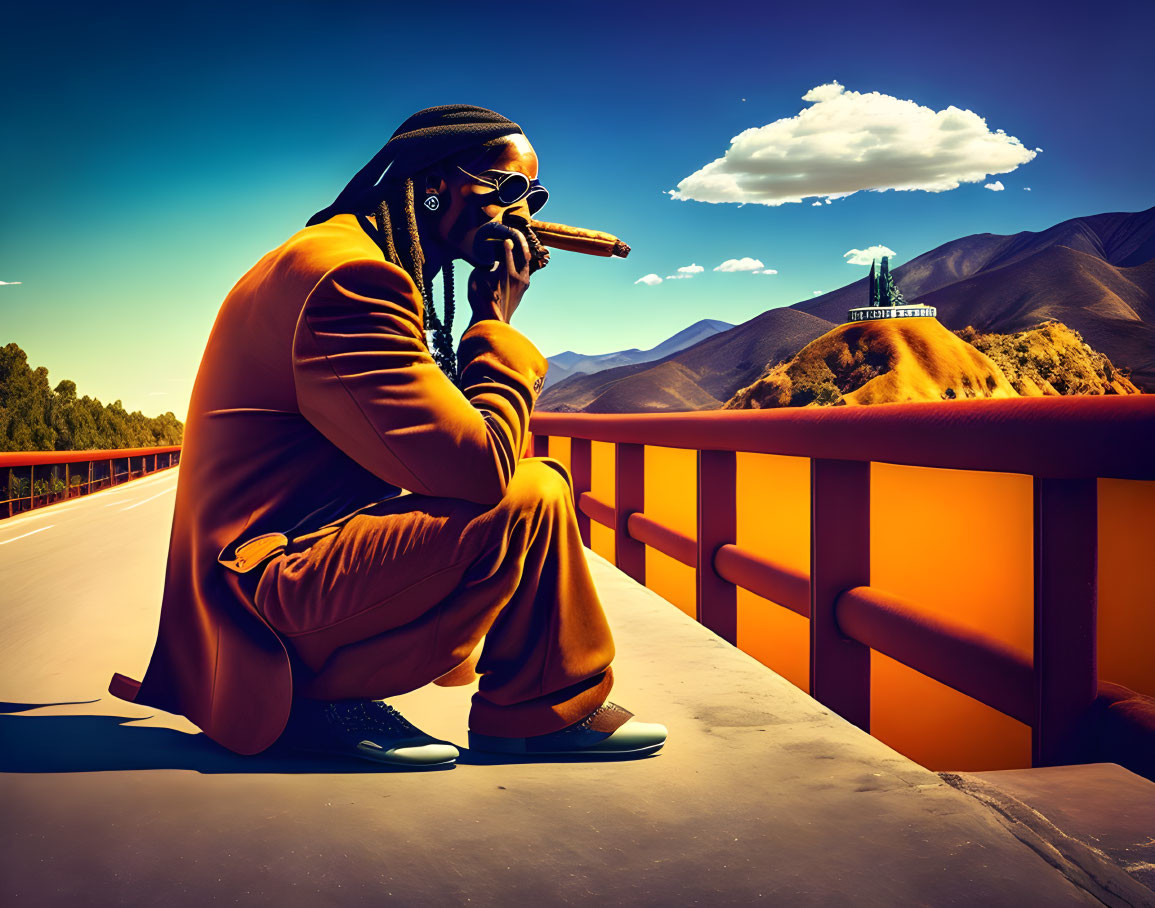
pixel 578 239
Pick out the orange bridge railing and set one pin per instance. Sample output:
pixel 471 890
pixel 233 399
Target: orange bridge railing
pixel 1065 444
pixel 32 479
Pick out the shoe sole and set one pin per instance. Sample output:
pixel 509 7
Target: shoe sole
pixel 371 757
pixel 495 744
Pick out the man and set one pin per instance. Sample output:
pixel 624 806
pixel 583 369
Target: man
pixel 350 521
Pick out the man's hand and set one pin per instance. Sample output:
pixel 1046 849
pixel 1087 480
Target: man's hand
pixel 496 294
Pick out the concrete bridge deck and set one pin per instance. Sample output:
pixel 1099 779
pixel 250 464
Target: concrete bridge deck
pixel 760 794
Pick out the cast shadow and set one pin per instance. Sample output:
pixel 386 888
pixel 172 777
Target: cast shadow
pixel 111 743
pixel 34 744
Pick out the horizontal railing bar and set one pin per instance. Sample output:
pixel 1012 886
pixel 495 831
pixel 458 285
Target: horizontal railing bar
pixel 670 542
pixel 764 578
pixel 36 458
pixel 971 662
pixel 1058 437
pixel 598 510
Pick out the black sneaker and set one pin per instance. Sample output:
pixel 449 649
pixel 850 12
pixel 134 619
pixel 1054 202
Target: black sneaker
pixel 368 729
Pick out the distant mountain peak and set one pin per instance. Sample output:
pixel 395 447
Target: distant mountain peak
pixel 569 364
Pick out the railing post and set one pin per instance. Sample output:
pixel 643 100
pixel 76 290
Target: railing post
pixel 89 491
pixel 540 445
pixel 839 560
pixel 111 474
pixel 717 600
pixel 581 470
pixel 630 467
pixel 1066 568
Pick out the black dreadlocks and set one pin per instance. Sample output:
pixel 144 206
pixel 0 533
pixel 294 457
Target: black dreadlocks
pixel 401 243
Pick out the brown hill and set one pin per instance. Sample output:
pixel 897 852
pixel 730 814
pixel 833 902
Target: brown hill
pixel 881 361
pixel 903 359
pixel 667 387
pixel 697 378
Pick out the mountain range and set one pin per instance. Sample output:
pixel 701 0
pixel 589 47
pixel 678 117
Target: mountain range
pixel 563 365
pixel 1095 274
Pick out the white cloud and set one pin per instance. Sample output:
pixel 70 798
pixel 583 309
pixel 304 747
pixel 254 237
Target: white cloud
pixel 1026 189
pixel 816 204
pixel 676 277
pixel 649 280
pixel 996 186
pixel 1039 150
pixel 742 264
pixel 867 255
pixel 690 270
pixel 766 271
pixel 817 292
pixel 827 201
pixel 849 142
pixel 10 283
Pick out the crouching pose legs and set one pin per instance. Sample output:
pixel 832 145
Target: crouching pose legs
pixel 402 594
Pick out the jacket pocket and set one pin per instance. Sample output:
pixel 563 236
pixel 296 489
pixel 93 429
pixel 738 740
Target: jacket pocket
pixel 243 556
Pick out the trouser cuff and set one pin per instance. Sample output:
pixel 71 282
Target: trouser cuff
pixel 542 715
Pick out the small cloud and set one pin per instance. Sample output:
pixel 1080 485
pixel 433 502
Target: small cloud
pixel 1039 150
pixel 868 255
pixel 742 264
pixel 649 280
pixel 766 271
pixel 827 201
pixel 10 283
pixel 1026 189
pixel 996 186
pixel 815 204
pixel 677 277
pixel 817 292
pixel 690 270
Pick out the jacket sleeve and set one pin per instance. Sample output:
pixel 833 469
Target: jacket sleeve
pixel 366 380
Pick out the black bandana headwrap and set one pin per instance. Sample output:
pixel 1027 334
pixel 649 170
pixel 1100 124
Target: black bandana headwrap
pixel 425 138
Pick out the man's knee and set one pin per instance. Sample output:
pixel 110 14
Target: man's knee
pixel 538 481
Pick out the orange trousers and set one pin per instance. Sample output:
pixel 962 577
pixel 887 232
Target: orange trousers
pixel 402 593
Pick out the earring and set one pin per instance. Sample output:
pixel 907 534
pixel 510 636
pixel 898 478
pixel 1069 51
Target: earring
pixel 432 202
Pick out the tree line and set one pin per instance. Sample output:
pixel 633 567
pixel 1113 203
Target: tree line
pixel 37 417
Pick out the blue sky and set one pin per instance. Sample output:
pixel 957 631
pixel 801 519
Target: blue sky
pixel 152 154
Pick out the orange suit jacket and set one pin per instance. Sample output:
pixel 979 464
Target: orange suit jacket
pixel 316 396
